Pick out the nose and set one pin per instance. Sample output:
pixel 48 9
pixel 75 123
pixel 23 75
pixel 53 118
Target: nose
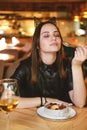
pixel 53 37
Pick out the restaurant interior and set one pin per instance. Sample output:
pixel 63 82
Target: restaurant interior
pixel 16 32
pixel 17 26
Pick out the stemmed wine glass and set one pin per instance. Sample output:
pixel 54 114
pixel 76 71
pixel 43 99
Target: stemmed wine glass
pixel 9 96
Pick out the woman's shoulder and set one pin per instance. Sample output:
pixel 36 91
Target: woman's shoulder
pixel 26 61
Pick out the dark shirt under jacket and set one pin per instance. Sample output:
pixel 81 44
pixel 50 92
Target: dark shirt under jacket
pixel 49 83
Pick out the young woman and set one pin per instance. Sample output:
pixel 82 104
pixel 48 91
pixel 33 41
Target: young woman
pixel 44 77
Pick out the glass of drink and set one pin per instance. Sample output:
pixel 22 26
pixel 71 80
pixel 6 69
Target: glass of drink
pixel 9 96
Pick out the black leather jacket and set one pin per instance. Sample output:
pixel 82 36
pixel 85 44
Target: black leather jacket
pixel 49 84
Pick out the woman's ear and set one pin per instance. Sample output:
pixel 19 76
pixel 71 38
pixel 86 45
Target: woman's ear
pixel 37 21
pixel 53 20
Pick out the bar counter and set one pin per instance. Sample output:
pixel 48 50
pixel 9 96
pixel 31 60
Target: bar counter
pixel 28 119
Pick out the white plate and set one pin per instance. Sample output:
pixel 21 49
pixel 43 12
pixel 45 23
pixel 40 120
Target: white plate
pixel 40 112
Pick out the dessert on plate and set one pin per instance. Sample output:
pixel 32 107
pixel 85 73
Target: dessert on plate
pixel 56 109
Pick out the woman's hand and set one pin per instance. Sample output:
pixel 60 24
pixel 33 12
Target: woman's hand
pixel 80 55
pixel 78 94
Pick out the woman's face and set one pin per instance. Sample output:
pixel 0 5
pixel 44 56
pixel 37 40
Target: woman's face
pixel 50 40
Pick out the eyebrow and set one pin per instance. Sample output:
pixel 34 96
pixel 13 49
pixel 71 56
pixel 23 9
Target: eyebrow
pixel 45 32
pixel 48 32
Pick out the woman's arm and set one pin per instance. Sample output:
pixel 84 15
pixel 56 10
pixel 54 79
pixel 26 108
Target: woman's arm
pixel 78 94
pixel 36 102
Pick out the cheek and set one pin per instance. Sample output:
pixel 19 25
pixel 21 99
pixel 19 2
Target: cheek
pixel 59 43
pixel 43 44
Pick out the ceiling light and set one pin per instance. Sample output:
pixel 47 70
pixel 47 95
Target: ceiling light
pixel 84 12
pixel 76 18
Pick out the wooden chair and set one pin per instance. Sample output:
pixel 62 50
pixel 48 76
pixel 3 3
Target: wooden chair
pixel 1 68
pixel 11 69
pixel 11 51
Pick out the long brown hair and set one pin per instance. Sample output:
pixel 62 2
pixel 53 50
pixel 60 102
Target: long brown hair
pixel 35 53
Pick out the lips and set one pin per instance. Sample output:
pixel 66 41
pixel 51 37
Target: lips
pixel 53 44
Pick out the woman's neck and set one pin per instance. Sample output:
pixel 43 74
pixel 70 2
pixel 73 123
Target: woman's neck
pixel 48 58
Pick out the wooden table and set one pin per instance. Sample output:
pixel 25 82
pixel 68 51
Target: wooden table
pixel 28 119
pixel 7 57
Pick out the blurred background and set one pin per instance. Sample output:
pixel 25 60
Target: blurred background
pixel 16 17
pixel 17 24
